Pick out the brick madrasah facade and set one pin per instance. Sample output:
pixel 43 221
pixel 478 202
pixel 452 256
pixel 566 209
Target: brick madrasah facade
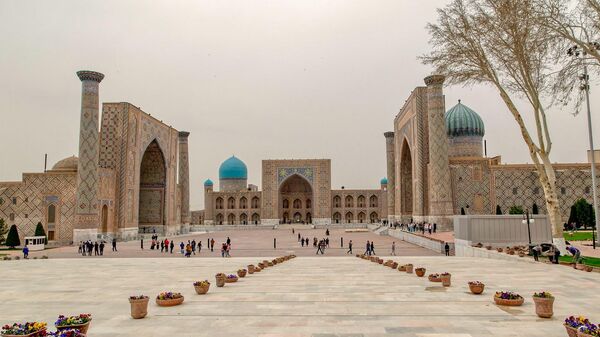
pixel 132 176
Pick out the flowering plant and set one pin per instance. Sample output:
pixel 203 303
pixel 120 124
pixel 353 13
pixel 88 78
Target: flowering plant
pixel 543 294
pixel 168 295
pixel 66 333
pixel 220 275
pixel 445 274
pixel 434 275
pixel 138 297
pixel 23 328
pixel 231 276
pixel 241 270
pixel 475 283
pixel 589 329
pixel 420 268
pixel 204 283
pixel 507 295
pixel 73 320
pixel 576 322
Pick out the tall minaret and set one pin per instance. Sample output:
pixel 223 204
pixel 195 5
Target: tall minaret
pixel 391 174
pixel 86 210
pixel 440 190
pixel 184 177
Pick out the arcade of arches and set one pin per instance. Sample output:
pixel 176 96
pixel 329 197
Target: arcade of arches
pixel 295 200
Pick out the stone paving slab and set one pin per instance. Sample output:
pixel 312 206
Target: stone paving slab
pixel 308 296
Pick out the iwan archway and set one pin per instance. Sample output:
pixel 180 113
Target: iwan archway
pixel 153 182
pixel 295 200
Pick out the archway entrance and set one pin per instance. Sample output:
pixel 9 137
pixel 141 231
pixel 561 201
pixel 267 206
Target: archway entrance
pixel 292 192
pixel 406 185
pixel 153 182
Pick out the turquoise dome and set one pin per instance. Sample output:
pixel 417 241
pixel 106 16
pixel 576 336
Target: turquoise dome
pixel 233 168
pixel 383 181
pixel 463 121
pixel 208 182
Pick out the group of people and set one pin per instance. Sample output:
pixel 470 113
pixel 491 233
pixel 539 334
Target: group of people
pixel 413 227
pixel 186 249
pixel 87 248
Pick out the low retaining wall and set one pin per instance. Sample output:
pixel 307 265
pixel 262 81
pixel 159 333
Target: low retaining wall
pixel 422 241
pixel 463 249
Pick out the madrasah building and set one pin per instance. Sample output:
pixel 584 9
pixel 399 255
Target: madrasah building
pixel 132 177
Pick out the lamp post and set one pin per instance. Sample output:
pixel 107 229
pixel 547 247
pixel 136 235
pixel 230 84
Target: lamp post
pixel 528 221
pixel 585 86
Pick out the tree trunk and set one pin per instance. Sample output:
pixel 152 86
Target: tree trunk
pixel 548 182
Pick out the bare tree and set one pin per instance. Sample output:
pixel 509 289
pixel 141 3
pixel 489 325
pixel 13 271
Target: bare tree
pixel 497 42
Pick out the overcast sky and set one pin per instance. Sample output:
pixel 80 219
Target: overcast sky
pixel 274 79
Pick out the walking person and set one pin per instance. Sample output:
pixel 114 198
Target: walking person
pixel 447 249
pixel 114 245
pixel 194 247
pixel 373 247
pixel 96 252
pixel 172 246
pixel 212 244
pixel 25 252
pixel 181 247
pixel 349 248
pixel 142 243
pixel 394 248
pixel 368 250
pixel 101 247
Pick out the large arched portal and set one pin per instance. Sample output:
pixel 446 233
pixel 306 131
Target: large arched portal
pixel 406 185
pixel 153 181
pixel 296 188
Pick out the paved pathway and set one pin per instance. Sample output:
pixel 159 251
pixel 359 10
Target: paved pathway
pixel 308 296
pixel 258 243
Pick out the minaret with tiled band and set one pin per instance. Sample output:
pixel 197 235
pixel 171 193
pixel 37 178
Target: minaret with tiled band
pixel 391 174
pixel 184 177
pixel 440 189
pixel 87 218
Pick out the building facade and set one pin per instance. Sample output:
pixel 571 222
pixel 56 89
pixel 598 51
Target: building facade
pixel 131 176
pixel 437 166
pixel 294 191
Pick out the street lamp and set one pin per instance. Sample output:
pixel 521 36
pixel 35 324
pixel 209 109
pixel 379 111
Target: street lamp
pixel 585 87
pixel 527 220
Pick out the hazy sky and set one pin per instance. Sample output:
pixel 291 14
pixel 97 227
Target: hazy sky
pixel 259 79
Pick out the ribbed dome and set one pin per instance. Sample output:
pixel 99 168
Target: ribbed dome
pixel 208 182
pixel 383 181
pixel 67 164
pixel 463 121
pixel 233 168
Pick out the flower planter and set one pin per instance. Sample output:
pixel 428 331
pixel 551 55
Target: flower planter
pixel 220 280
pixel 488 247
pixel 270 264
pixel 402 268
pixel 241 273
pixel 257 269
pixel 571 332
pixel 201 290
pixel 409 268
pixel 434 278
pixel 420 272
pixel 446 280
pixel 170 302
pixel 139 307
pixel 250 269
pixel 274 262
pixel 33 334
pixel 583 334
pixel 476 289
pixel 509 303
pixel 380 261
pixel 499 250
pixel 231 279
pixel 544 306
pixel 394 265
pixel 261 265
pixel 521 254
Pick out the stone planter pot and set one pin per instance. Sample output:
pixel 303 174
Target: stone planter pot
pixel 446 280
pixel 220 280
pixel 476 289
pixel 420 272
pixel 434 279
pixel 274 261
pixel 544 307
pixel 499 250
pixel 488 247
pixel 571 332
pixel 270 264
pixel 509 303
pixel 168 303
pixel 231 279
pixel 394 265
pixel 261 265
pixel 581 334
pixel 201 290
pixel 241 273
pixel 250 269
pixel 257 269
pixel 402 268
pixel 139 307
pixel 521 254
pixel 409 268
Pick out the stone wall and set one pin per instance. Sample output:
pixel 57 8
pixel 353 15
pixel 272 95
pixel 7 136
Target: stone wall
pixel 500 230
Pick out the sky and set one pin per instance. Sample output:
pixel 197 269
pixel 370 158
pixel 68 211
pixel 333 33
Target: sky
pixel 281 79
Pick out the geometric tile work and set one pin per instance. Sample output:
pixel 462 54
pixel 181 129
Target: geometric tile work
pixel 471 187
pixel 87 171
pixel 184 177
pixel 520 186
pixel 33 195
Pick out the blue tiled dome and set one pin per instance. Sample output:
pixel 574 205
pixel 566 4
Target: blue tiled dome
pixel 208 182
pixel 383 181
pixel 463 121
pixel 233 168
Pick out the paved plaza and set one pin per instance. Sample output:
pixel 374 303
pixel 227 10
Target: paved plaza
pixel 307 296
pixel 247 243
